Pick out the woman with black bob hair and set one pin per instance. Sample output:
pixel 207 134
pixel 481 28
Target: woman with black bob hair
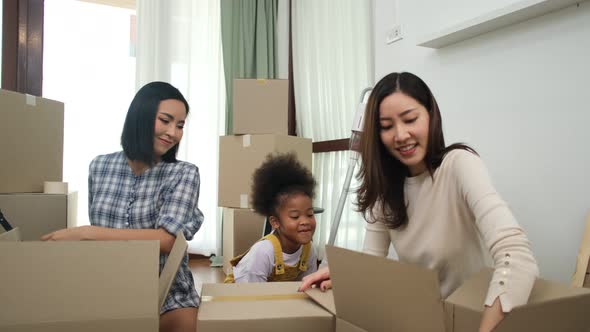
pixel 138 130
pixel 144 193
pixel 435 203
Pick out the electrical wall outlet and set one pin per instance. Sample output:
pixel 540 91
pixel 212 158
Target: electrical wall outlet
pixel 394 34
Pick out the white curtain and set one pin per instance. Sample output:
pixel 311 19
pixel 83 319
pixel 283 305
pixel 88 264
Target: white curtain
pixel 179 41
pixel 92 71
pixel 332 64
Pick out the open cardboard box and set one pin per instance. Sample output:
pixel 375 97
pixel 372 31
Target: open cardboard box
pixel 84 285
pixel 11 235
pixel 51 212
pixel 260 307
pixel 377 294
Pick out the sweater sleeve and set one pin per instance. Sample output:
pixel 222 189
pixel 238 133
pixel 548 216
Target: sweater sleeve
pixel 377 239
pixel 515 268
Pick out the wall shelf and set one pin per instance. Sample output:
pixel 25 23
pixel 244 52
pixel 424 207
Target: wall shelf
pixel 512 14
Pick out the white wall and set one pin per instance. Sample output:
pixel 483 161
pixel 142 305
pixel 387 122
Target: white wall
pixel 519 96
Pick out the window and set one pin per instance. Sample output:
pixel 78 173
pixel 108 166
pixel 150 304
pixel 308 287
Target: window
pixel 89 65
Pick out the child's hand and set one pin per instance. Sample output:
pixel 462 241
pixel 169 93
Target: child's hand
pixel 320 278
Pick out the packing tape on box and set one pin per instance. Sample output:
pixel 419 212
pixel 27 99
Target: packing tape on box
pixel 31 100
pixel 246 141
pixel 50 187
pixel 244 201
pixel 253 297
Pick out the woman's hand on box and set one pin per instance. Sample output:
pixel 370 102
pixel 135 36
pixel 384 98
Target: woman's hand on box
pixel 320 278
pixel 491 317
pixel 70 234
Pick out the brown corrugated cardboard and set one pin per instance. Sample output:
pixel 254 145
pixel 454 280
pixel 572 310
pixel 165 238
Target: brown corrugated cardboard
pixel 396 298
pixel 260 106
pixel 551 307
pixel 84 285
pixel 31 141
pixel 403 297
pixel 239 156
pixel 171 267
pixel 39 214
pixel 11 235
pixel 325 299
pixel 582 265
pixel 241 229
pixel 260 307
pixel 344 326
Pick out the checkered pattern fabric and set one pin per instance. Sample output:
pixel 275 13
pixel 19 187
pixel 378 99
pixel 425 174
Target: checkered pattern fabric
pixel 164 196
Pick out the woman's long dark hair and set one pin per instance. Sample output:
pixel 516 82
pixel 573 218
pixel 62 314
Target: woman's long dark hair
pixel 380 196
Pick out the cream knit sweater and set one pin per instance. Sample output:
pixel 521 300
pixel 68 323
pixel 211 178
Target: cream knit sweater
pixel 458 224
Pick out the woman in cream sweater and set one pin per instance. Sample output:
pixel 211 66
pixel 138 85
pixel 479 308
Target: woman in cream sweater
pixel 435 203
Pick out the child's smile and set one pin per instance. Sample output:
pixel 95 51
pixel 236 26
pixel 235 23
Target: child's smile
pixel 296 223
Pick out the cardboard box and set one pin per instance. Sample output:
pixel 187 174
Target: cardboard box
pixel 402 297
pixel 241 229
pixel 260 307
pixel 260 106
pixel 31 141
pixel 11 235
pixel 581 275
pixel 84 285
pixel 39 214
pixel 239 156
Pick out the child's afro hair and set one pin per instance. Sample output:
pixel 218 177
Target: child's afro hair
pixel 279 175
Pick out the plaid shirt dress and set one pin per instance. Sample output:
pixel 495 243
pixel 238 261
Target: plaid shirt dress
pixel 164 196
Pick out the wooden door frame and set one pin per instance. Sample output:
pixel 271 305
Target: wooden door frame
pixel 22 46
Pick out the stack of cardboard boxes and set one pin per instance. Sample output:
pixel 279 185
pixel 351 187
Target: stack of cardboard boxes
pixel 31 146
pixel 260 127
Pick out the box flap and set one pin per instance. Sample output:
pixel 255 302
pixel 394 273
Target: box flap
pixel 390 296
pixel 344 326
pixel 551 307
pixel 472 293
pixel 76 281
pixel 171 267
pixel 48 215
pixel 11 235
pixel 256 301
pixel 325 299
pixel 110 325
pixel 582 264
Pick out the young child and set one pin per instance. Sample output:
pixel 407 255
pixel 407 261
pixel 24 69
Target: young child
pixel 282 190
